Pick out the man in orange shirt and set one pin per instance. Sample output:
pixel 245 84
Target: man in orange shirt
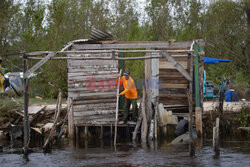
pixel 130 93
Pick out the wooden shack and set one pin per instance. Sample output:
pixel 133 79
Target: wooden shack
pixel 175 67
pixel 94 66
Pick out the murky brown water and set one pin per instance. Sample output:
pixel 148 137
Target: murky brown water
pixel 233 153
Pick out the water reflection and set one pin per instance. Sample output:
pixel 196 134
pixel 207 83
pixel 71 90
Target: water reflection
pixel 102 153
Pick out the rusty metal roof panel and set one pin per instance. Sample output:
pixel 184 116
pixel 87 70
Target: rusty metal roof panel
pixel 98 35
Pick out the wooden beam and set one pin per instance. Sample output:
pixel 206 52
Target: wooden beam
pixel 134 45
pixel 122 51
pixel 38 65
pixel 39 53
pixel 176 65
pixel 106 58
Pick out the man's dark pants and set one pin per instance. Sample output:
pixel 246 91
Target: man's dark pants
pixel 127 104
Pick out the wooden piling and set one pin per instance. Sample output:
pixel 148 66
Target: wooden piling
pixel 117 107
pixel 144 128
pixel 221 101
pixel 26 129
pixel 198 121
pixel 191 139
pixel 151 130
pixel 111 131
pixel 190 104
pixel 71 128
pixel 101 132
pixel 156 114
pixel 86 137
pixel 138 124
pixel 86 133
pixel 77 136
pixel 216 137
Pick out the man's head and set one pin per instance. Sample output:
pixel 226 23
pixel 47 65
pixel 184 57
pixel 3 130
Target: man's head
pixel 126 74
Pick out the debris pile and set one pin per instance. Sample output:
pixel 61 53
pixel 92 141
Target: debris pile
pixel 46 121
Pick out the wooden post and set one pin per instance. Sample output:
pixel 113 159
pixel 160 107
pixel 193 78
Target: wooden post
pixel 138 124
pixel 71 128
pixel 191 139
pixel 216 137
pixel 198 121
pixel 86 133
pixel 86 137
pixel 111 131
pixel 77 136
pixel 117 107
pixel 156 114
pixel 198 109
pixel 221 101
pixel 151 130
pixel 101 132
pixel 190 104
pixel 26 129
pixel 144 128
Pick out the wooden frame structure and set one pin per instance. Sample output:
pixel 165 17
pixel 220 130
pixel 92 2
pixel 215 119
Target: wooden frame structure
pixel 101 58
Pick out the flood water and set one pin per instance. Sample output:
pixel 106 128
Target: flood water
pixel 233 153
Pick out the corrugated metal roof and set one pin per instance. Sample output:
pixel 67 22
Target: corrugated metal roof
pixel 98 35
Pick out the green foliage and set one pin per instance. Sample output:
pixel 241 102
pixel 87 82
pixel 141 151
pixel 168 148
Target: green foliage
pixel 41 25
pixel 244 118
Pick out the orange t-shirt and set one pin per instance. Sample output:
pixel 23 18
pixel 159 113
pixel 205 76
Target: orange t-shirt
pixel 129 88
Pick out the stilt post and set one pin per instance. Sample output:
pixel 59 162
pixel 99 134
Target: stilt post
pixel 117 107
pixel 216 137
pixel 26 126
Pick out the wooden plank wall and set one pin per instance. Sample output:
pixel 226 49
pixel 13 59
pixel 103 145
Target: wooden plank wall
pixel 91 85
pixel 173 84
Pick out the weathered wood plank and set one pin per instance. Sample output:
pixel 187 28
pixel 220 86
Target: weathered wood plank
pixel 80 77
pixel 95 101
pixel 92 95
pixel 88 79
pixel 175 81
pixel 38 65
pixel 92 73
pixel 173 91
pixel 173 95
pixel 178 59
pixel 177 66
pixel 93 67
pixel 106 117
pixel 91 90
pixel 169 65
pixel 173 101
pixel 174 85
pixel 95 112
pixel 95 97
pixel 93 106
pixel 93 87
pixel 91 62
pixel 90 70
pixel 106 121
pixel 134 45
pixel 169 72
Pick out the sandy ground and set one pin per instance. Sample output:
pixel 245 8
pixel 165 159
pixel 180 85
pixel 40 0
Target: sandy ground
pixel 227 106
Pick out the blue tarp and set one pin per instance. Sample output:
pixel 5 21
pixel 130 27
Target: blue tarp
pixel 214 60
